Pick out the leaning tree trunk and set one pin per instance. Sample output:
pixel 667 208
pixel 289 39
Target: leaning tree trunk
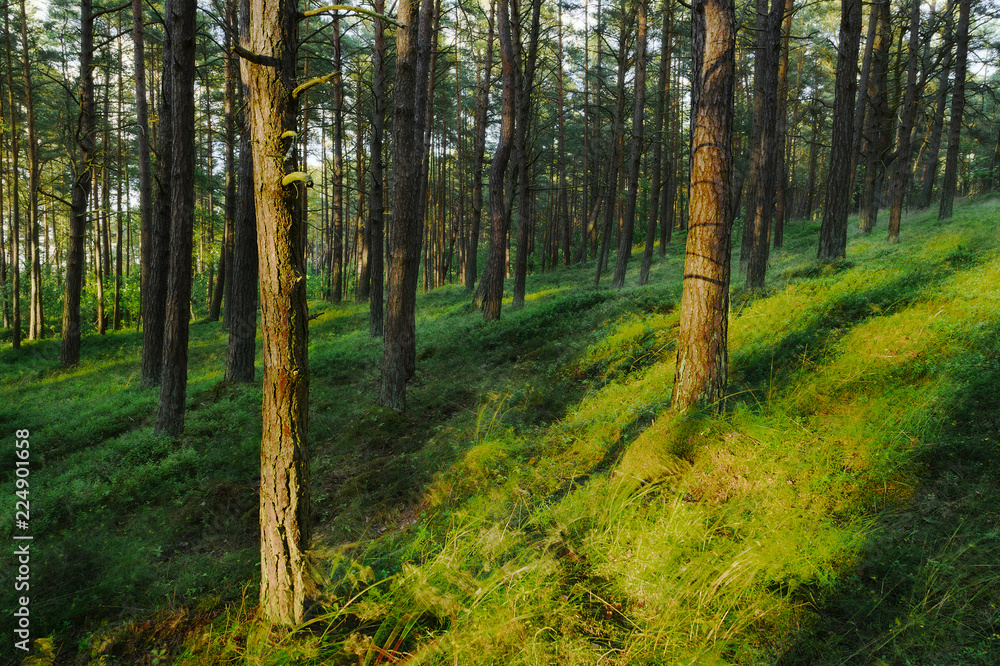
pixel 950 181
pixel 269 31
pixel 625 243
pixel 833 230
pixel 702 355
pixel 70 354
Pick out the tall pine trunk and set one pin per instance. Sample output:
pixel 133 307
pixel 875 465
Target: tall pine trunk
pixel 482 105
pixel 376 195
pixel 950 180
pixel 270 32
pixel 937 124
pixel 901 177
pixel 399 342
pixel 180 17
pixel 702 353
pixel 80 197
pixel 523 148
pixel 833 230
pixel 639 105
pixel 493 275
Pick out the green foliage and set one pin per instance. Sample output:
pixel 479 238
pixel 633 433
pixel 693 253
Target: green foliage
pixel 538 503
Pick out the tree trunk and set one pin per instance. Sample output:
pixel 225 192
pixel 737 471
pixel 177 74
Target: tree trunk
pixel 70 353
pixel 482 105
pixel 180 17
pixel 567 232
pixel 376 196
pixel 156 240
pixel 702 355
pixel 950 180
pixel 877 126
pixel 833 231
pixel 271 32
pixel 337 260
pixel 523 148
pixel 662 97
pixel 625 243
pixel 14 189
pixel 937 125
pixel 241 304
pixel 36 318
pixel 617 129
pixel 781 171
pixel 229 201
pixel 399 342
pixel 764 153
pixel 494 273
pixel 901 177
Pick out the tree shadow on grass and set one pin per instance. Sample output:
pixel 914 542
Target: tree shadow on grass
pixel 758 369
pixel 926 589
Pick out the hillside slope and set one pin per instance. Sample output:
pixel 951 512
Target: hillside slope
pixel 538 503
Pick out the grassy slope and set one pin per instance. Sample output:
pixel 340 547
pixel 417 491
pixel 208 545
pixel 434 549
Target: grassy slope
pixel 537 503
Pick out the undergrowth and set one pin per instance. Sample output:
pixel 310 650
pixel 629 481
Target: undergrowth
pixel 538 502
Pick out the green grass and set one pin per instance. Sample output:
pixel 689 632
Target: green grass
pixel 538 502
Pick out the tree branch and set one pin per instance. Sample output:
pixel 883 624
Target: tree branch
pixel 348 9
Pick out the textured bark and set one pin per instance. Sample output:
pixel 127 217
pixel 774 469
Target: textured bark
pixel 901 177
pixel 781 172
pixel 567 232
pixel 764 152
pixel 15 214
pixel 625 243
pixel 229 201
pixel 70 353
pixel 482 105
pixel 702 355
pixel 833 231
pixel 522 148
pixel 662 96
pixel 35 317
pixel 493 274
pixel 399 341
pixel 376 193
pixel 611 185
pixel 950 180
pixel 180 17
pixel 155 257
pixel 271 32
pixel 241 304
pixel 863 100
pixel 337 212
pixel 877 125
pixel 937 124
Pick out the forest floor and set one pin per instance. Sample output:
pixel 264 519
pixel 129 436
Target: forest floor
pixel 538 502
